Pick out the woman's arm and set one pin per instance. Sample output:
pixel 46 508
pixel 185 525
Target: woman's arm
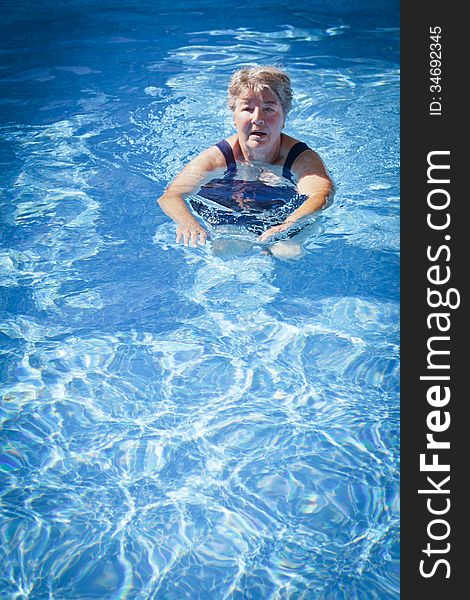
pixel 313 182
pixel 191 178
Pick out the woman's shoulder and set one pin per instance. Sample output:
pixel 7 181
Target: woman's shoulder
pixel 216 151
pixel 210 159
pixel 289 142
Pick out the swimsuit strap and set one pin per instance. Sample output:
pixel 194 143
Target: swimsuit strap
pixel 294 152
pixel 227 151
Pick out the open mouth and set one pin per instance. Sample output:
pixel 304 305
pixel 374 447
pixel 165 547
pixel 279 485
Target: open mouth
pixel 258 134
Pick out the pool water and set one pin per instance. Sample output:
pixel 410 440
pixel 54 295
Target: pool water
pixel 177 425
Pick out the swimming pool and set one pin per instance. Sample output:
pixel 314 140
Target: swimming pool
pixel 176 425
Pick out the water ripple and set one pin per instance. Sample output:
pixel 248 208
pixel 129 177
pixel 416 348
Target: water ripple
pixel 173 424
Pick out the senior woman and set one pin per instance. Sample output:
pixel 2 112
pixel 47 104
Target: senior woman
pixel 259 179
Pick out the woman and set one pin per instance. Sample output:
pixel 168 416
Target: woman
pixel 251 160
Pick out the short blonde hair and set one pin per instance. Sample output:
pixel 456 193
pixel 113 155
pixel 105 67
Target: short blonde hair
pixel 259 79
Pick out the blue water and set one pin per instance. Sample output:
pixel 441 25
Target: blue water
pixel 176 425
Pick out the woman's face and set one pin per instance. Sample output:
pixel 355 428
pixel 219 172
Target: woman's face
pixel 259 120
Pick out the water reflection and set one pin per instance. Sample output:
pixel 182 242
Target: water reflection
pixel 179 424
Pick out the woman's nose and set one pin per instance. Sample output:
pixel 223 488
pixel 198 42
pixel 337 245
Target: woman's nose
pixel 256 116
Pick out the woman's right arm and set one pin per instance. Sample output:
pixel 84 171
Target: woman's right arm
pixel 173 204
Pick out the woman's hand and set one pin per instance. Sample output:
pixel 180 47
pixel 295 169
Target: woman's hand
pixel 272 231
pixel 191 232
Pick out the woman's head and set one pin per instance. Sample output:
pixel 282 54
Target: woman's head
pixel 259 80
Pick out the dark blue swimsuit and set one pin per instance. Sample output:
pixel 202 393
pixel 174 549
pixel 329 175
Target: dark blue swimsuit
pixel 253 205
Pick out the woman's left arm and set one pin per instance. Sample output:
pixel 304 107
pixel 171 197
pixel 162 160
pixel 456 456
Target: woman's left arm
pixel 313 182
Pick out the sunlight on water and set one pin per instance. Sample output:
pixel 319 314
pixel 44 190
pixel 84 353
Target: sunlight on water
pixel 176 424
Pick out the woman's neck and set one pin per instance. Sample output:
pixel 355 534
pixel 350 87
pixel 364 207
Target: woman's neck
pixel 270 157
